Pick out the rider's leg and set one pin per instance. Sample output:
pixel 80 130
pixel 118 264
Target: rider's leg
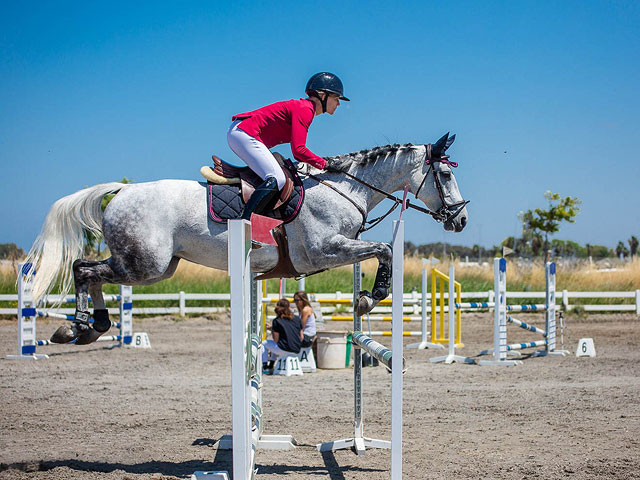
pixel 261 198
pixel 259 159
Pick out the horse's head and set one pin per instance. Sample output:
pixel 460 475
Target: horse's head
pixel 436 185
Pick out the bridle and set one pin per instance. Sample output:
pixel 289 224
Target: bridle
pixel 445 213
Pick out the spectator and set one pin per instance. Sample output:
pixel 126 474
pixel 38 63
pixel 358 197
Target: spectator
pixel 307 317
pixel 286 331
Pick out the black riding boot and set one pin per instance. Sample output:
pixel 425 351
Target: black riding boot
pixel 263 195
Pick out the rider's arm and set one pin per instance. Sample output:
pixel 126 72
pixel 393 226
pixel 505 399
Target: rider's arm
pixel 300 123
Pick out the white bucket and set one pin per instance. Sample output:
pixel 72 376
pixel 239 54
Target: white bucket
pixel 332 349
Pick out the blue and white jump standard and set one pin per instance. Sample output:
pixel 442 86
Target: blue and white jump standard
pixel 28 313
pixel 501 348
pixel 246 364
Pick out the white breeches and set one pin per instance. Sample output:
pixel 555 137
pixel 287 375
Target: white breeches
pixel 255 154
pixel 271 348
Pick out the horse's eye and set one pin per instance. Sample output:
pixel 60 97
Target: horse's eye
pixel 445 174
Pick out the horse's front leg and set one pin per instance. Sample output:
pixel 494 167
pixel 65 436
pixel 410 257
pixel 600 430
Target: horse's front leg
pixel 346 251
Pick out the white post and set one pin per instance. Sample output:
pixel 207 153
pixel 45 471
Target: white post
pixel 301 284
pixel 637 302
pixel 452 357
pixel 240 280
pixel 500 316
pixel 182 304
pixel 26 318
pixel 396 346
pixel 246 364
pixel 550 311
pixel 550 305
pixel 565 300
pixel 126 314
pixel 423 344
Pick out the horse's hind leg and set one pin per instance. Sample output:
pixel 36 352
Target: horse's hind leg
pixel 89 276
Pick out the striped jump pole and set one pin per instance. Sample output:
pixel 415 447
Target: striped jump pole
pixel 28 313
pixel 246 364
pixel 359 442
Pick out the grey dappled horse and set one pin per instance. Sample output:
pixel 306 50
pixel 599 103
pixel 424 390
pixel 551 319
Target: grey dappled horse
pixel 150 227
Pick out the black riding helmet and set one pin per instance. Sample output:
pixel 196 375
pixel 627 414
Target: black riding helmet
pixel 325 82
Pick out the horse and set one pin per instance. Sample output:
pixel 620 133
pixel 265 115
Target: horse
pixel 149 227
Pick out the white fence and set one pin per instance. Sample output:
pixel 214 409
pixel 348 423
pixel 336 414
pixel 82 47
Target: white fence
pixel 411 302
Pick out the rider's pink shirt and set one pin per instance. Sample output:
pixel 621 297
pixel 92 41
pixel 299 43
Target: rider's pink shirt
pixel 283 122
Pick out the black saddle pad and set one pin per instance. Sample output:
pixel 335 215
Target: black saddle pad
pixel 224 202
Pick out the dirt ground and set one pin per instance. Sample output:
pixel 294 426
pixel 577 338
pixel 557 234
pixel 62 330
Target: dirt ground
pixel 92 413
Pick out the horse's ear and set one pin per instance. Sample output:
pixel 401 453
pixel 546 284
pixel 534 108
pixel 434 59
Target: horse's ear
pixel 450 140
pixel 440 146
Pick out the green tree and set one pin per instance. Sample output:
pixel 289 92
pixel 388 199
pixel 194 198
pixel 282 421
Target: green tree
pixel 633 245
pixel 548 221
pixel 10 251
pixel 621 250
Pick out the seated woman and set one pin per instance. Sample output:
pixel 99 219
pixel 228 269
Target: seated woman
pixel 286 331
pixel 307 317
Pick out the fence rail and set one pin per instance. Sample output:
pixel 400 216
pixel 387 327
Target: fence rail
pixel 412 302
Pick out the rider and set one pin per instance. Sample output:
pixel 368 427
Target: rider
pixel 252 134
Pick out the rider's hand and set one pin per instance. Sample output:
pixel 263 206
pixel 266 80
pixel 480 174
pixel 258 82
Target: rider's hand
pixel 318 164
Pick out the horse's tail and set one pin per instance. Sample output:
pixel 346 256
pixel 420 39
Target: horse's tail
pixel 61 240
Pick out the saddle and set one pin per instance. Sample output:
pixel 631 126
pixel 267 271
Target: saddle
pixel 228 189
pixel 223 173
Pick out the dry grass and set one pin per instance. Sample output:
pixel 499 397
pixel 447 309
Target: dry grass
pixel 580 277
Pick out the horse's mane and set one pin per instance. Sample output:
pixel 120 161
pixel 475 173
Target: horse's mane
pixel 342 163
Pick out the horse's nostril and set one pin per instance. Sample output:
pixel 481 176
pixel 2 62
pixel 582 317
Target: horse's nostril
pixel 463 221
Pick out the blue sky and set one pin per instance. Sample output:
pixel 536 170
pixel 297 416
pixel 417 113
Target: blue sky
pixel 91 93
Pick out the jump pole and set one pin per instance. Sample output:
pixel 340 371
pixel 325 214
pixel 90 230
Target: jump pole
pixel 246 364
pixel 359 442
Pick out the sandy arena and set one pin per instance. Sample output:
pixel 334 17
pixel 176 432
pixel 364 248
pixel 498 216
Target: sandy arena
pixel 91 413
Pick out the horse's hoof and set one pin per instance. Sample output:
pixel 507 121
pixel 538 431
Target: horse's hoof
pixel 90 336
pixel 364 304
pixel 65 334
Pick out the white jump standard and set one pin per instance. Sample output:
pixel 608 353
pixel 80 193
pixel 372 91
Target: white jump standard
pixel 360 341
pixel 246 364
pixel 500 346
